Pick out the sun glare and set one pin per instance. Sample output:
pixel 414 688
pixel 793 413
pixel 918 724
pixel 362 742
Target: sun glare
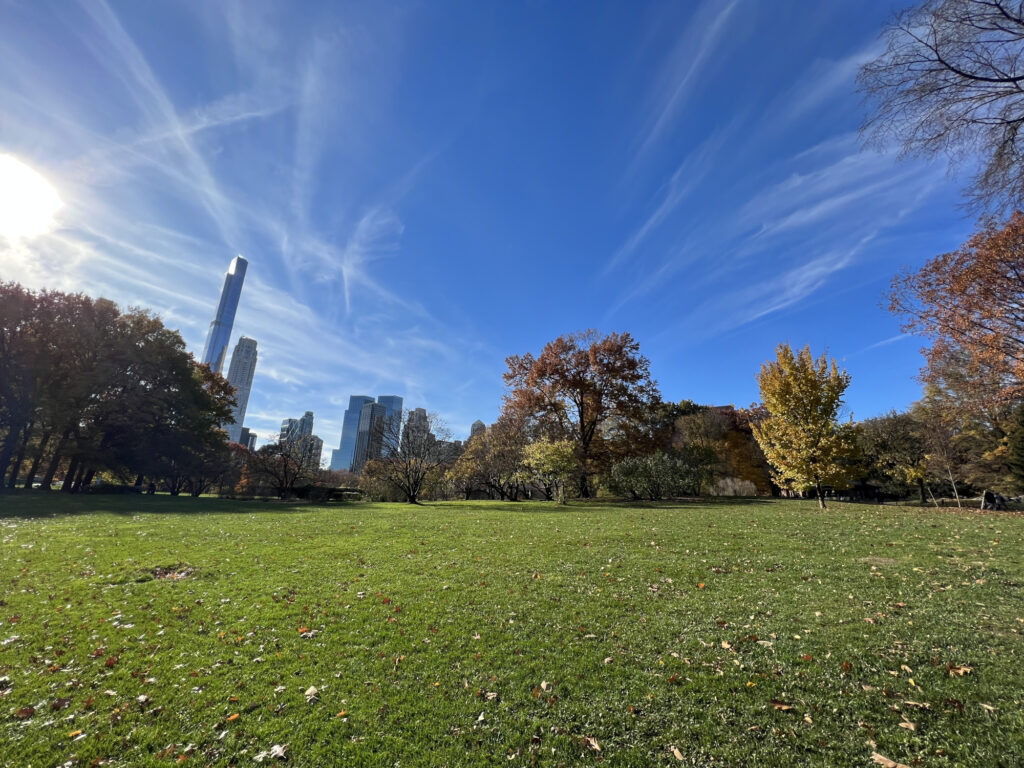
pixel 28 202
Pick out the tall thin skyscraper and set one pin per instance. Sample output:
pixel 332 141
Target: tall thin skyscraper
pixel 341 459
pixel 220 329
pixel 243 367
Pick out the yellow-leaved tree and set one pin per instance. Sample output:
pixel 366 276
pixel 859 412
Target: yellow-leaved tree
pixel 800 432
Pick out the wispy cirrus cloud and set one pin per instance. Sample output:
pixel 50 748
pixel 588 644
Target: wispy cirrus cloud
pixel 692 53
pixel 318 297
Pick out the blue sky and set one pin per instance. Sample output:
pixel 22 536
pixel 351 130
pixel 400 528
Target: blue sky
pixel 424 188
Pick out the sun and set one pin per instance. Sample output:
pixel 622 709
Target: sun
pixel 28 202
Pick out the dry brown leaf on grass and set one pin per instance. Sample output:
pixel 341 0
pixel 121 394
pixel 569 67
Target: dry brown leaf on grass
pixel 885 762
pixel 781 705
pixel 908 725
pixel 677 754
pixel 545 686
pixel 312 694
pixel 591 743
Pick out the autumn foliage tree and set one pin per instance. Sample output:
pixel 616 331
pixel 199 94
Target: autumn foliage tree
pixel 800 434
pixel 970 303
pixel 580 383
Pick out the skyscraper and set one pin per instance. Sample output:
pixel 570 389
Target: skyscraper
pixel 393 415
pixel 477 428
pixel 369 435
pixel 416 435
pixel 293 430
pixel 243 366
pixel 341 459
pixel 220 329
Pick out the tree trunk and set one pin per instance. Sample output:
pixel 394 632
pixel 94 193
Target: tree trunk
pixel 55 461
pixel 87 480
pixel 82 470
pixel 920 488
pixel 7 451
pixel 953 483
pixel 821 495
pixel 69 475
pixel 584 487
pixel 26 433
pixel 43 442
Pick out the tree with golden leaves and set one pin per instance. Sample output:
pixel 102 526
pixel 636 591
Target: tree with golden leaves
pixel 800 434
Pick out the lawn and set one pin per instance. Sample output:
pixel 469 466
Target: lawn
pixel 145 631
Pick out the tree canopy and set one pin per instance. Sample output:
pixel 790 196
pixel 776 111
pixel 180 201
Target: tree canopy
pixel 580 383
pixel 800 434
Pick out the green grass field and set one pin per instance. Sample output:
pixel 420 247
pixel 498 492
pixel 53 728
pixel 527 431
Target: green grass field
pixel 145 631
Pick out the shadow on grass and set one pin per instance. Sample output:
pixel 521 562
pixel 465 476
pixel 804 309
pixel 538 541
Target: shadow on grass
pixel 48 504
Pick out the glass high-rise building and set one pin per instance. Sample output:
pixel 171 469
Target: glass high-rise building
pixel 243 367
pixel 220 329
pixel 369 435
pixel 341 459
pixel 293 430
pixel 393 415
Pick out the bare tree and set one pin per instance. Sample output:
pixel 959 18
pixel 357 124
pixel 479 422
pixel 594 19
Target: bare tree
pixel 282 466
pixel 414 450
pixel 951 81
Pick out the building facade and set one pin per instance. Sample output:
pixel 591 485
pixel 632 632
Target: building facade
pixel 341 459
pixel 293 430
pixel 220 329
pixel 240 374
pixel 369 435
pixel 393 415
pixel 477 428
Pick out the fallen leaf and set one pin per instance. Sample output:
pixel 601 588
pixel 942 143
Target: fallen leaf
pixel 278 751
pixel 74 733
pixel 885 762
pixel 677 754
pixel 609 660
pixel 545 686
pixel 232 718
pixel 908 725
pixel 781 705
pixel 591 743
pixel 312 694
pixel 25 712
pixel 958 671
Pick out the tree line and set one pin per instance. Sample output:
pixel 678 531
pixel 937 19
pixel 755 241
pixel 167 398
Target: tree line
pixel 87 389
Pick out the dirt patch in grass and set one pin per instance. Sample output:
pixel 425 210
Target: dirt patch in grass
pixel 173 572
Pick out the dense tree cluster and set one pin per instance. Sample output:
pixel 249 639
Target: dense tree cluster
pixel 87 389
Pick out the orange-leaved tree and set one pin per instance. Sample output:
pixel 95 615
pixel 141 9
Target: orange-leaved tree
pixel 971 302
pixel 579 385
